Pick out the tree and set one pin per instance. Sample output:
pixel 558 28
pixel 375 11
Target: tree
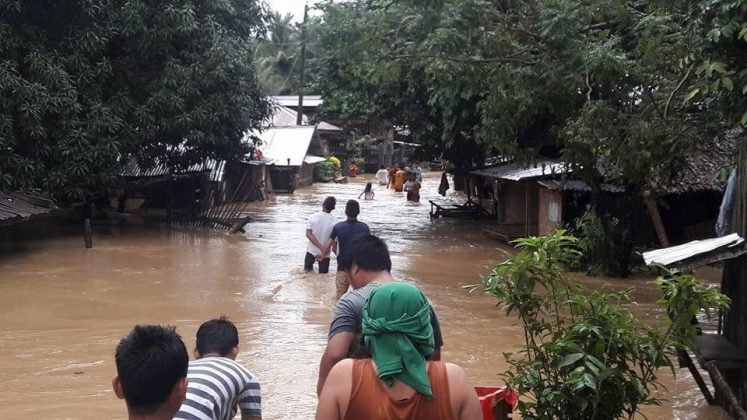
pixel 277 55
pixel 88 84
pixel 598 83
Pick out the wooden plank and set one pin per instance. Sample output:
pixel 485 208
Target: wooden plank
pixel 684 356
pixel 718 381
pixel 708 259
pixel 716 348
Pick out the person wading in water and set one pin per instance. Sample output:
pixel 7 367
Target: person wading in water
pixel 343 234
pixel 318 229
pixel 397 381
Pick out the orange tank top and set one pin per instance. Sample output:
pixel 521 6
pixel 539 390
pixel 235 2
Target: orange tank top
pixel 369 399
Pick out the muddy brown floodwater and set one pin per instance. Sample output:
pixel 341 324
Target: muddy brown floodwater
pixel 63 308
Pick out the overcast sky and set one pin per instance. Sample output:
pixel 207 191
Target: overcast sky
pixel 294 7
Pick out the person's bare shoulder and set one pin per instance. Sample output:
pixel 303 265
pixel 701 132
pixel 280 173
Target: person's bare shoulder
pixel 455 371
pixel 464 400
pixel 341 373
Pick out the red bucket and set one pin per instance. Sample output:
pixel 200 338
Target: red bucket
pixel 496 403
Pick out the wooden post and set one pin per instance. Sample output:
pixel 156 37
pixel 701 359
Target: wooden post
pixel 299 114
pixel 526 208
pixel 734 285
pixel 733 406
pixel 653 211
pixel 87 231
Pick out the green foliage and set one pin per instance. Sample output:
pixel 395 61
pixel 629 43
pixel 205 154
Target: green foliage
pixel 715 31
pixel 327 170
pixel 88 84
pixel 278 55
pixel 591 237
pixel 604 85
pixel 585 356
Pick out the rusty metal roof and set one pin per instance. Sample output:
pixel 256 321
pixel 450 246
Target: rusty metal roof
pixel 15 208
pixel 576 185
pixel 133 170
pixel 516 172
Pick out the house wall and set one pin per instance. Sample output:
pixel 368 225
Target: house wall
pixel 550 211
pixel 513 202
pixel 305 176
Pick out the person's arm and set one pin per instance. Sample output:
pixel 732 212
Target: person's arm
pixel 331 242
pixel 334 399
pixel 250 402
pixel 310 236
pixel 464 399
pixel 331 245
pixel 336 350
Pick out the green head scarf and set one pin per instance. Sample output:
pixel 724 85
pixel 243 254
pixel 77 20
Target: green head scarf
pixel 397 329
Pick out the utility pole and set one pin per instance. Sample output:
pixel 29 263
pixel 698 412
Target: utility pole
pixel 299 114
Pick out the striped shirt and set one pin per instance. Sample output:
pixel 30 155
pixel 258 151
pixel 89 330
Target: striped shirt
pixel 217 387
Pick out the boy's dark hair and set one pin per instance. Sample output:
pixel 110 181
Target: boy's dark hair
pixel 217 336
pixel 329 203
pixel 382 167
pixel 352 208
pixel 150 361
pixel 369 252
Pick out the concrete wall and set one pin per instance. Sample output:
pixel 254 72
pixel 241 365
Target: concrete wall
pixel 550 211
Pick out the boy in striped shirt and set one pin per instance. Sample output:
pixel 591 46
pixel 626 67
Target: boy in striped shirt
pixel 218 386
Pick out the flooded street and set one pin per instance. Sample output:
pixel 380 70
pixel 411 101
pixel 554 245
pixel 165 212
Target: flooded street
pixel 63 308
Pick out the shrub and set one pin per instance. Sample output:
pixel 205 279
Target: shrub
pixel 327 170
pixel 585 356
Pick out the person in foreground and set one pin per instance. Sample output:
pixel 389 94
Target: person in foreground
pixel 368 265
pixel 398 382
pixel 218 386
pixel 151 372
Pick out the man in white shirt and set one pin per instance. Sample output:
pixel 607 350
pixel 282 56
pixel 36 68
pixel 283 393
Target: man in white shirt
pixel 318 229
pixel 382 175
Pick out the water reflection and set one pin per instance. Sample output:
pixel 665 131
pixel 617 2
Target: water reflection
pixel 63 308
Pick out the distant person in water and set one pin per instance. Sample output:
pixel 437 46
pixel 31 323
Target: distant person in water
pixel 392 175
pixel 398 381
pixel 382 175
pixel 353 169
pixel 151 372
pixel 342 235
pixel 412 188
pixel 218 386
pixel 418 173
pixel 367 193
pixel 399 180
pixel 318 228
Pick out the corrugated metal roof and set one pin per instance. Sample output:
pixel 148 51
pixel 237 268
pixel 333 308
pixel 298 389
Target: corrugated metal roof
pixel 516 172
pixel 286 146
pixel 311 159
pixel 325 126
pixel 16 208
pixel 674 254
pixel 576 185
pixel 310 101
pixel 286 117
pixel 133 170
